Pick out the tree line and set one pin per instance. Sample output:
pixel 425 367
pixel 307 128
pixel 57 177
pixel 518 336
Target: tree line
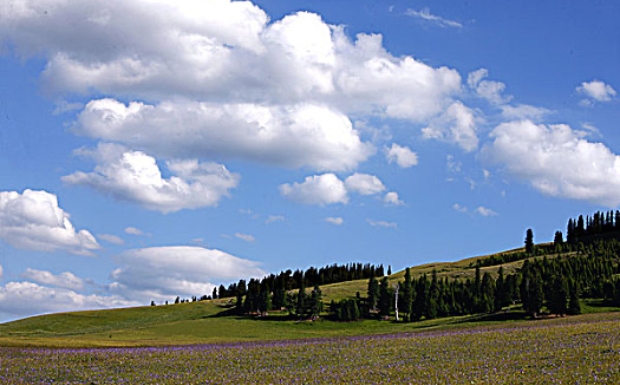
pixel 555 283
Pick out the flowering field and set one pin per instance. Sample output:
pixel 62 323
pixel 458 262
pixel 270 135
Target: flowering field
pixel 566 351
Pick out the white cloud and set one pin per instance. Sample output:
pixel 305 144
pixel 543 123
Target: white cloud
pixel 274 218
pixel 162 273
pixel 425 14
pixel 219 80
pixel 597 90
pixel 65 280
pixel 381 223
pixel 135 231
pixel 135 177
pixel 364 184
pixel 459 208
pixel 524 111
pixel 391 199
pixel 245 237
pixel 557 161
pixel 403 156
pixel 329 189
pixel 317 190
pixel 456 125
pixel 114 239
pixel 334 220
pixel 1 272
pixel 34 221
pixel 487 89
pixel 293 136
pixel 26 298
pixel 591 129
pixel 485 212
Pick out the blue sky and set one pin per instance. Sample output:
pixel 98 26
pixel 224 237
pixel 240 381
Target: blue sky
pixel 154 149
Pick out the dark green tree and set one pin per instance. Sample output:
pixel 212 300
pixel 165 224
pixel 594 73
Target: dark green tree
pixel 574 306
pixel 422 289
pixel 529 242
pixel 301 300
pixel 557 297
pixel 407 294
pixel 373 293
pixel 385 298
pixel 558 241
pixel 316 302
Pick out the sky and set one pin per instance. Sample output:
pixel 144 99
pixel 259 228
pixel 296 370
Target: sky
pixel 155 148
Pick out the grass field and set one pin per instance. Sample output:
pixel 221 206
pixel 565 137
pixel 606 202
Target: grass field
pixel 571 350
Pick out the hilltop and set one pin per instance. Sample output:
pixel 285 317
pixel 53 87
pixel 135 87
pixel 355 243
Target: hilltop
pixel 213 321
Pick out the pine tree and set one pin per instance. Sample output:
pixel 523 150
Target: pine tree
pixel 301 300
pixel 373 293
pixel 500 291
pixel 419 303
pixel 385 298
pixel 316 302
pixel 558 241
pixel 529 242
pixel 407 294
pixel 574 306
pixel 558 295
pixel 487 296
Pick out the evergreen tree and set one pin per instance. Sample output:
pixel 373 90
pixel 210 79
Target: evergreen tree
pixel 574 306
pixel 385 298
pixel 558 241
pixel 407 294
pixel 535 294
pixel 421 293
pixel 301 300
pixel 373 293
pixel 389 272
pixel 241 289
pixel 558 295
pixel 214 295
pixel 316 302
pixel 500 291
pixel 529 242
pixel 487 293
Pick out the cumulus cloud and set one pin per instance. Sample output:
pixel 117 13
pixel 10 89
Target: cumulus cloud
pixel 328 189
pixel 364 184
pixel 219 80
pixel 114 239
pixel 487 89
pixel 392 199
pixel 597 90
pixel 402 155
pixel 65 280
pixel 456 125
pixel 27 298
pixel 426 15
pixel 1 272
pixel 305 134
pixel 162 273
pixel 317 190
pixel 135 177
pixel 557 161
pixel 34 221
pixel 334 220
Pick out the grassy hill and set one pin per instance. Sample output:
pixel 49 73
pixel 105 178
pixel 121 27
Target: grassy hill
pixel 198 322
